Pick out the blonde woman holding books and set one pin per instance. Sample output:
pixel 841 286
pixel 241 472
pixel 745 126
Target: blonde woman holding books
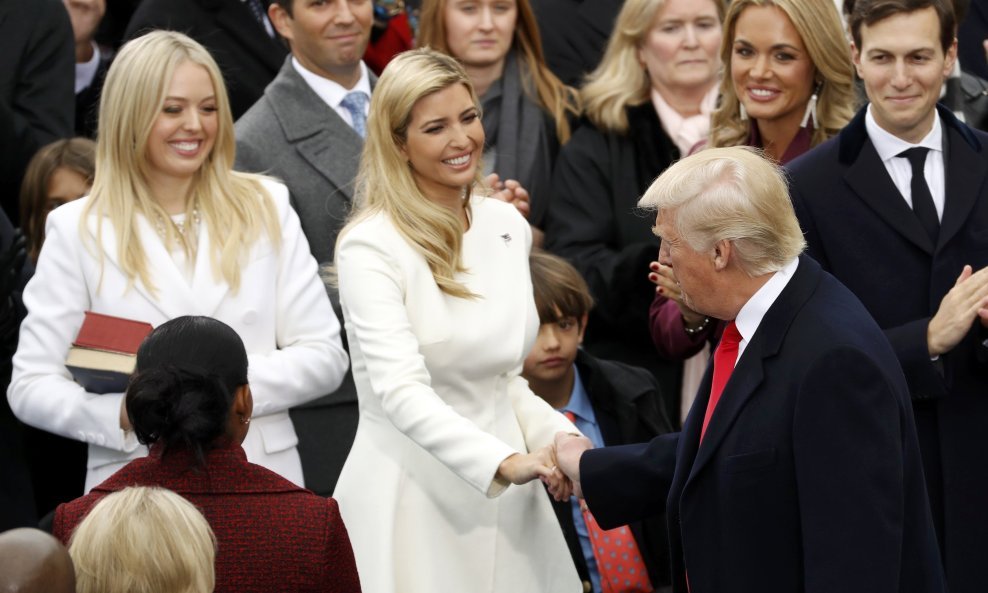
pixel 170 229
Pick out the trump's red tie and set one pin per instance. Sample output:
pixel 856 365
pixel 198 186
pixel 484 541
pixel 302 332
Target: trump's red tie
pixel 725 358
pixel 619 562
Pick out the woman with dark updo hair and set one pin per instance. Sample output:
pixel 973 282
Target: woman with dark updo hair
pixel 190 403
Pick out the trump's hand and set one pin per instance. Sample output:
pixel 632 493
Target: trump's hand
pixel 569 449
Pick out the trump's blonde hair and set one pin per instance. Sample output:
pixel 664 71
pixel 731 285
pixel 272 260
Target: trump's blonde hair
pixel 731 194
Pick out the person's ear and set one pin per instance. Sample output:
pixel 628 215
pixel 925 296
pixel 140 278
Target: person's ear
pixel 583 326
pixel 722 254
pixel 243 404
pixel 280 20
pixel 856 59
pixel 950 59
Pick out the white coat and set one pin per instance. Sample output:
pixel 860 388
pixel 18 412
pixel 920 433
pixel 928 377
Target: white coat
pixel 281 312
pixel 441 406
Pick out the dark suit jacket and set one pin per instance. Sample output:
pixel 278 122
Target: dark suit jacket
pixel 862 231
pixel 271 535
pixel 292 134
pixel 972 31
pixel 625 400
pixel 87 100
pixel 809 476
pixel 594 223
pixel 37 101
pixel 247 56
pixel 574 34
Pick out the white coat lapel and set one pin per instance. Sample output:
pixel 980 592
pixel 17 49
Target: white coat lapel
pixel 208 290
pixel 172 296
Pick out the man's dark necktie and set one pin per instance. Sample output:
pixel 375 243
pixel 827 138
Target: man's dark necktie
pixel 922 198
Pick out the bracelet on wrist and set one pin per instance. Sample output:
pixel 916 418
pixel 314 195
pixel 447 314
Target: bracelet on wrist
pixel 692 331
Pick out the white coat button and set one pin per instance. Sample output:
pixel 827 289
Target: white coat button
pixel 250 317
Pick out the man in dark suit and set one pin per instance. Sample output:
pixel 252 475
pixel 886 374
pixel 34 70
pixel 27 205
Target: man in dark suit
pixel 36 99
pixel 236 33
pixel 308 130
pixel 797 468
pixel 906 232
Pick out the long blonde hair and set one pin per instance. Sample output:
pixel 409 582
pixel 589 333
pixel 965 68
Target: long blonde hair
pixel 819 25
pixel 620 81
pixel 234 206
pixel 555 98
pixel 384 181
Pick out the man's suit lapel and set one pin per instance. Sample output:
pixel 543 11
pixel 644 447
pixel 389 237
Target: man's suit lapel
pixel 319 134
pixel 253 37
pixel 750 370
pixel 867 176
pixel 965 174
pixel 870 181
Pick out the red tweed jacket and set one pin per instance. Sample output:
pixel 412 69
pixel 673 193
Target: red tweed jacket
pixel 272 536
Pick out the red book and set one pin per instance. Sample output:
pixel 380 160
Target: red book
pixel 111 334
pixel 104 353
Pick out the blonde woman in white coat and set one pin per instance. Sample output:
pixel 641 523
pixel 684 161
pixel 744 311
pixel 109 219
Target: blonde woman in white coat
pixel 440 490
pixel 169 229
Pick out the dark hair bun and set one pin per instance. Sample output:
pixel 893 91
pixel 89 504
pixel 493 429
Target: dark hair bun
pixel 178 408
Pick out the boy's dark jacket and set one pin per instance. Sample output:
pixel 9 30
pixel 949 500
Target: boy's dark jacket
pixel 626 401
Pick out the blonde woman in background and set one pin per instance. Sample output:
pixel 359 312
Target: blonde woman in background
pixel 144 540
pixel 788 87
pixel 439 490
pixel 789 83
pixel 646 105
pixel 170 229
pixel 527 110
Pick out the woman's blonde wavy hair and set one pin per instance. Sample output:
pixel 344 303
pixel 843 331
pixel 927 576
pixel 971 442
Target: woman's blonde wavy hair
pixel 620 81
pixel 384 180
pixel 555 98
pixel 819 25
pixel 234 206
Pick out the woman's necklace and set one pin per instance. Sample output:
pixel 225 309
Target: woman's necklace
pixel 179 225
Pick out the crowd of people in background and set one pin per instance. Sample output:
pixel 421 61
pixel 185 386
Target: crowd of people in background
pixel 446 293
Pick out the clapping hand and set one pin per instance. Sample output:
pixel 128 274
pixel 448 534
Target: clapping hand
pixel 510 191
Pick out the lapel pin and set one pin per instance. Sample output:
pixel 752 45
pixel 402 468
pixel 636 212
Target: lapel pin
pixel 506 237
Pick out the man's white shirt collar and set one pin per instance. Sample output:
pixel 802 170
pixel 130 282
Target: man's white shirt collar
pixel 889 146
pixel 751 314
pixel 330 91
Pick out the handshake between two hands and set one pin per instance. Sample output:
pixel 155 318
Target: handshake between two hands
pixel 557 465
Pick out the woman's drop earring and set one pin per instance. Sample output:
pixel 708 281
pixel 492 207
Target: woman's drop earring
pixel 742 113
pixel 810 113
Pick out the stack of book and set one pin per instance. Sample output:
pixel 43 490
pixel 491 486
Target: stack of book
pixel 104 354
